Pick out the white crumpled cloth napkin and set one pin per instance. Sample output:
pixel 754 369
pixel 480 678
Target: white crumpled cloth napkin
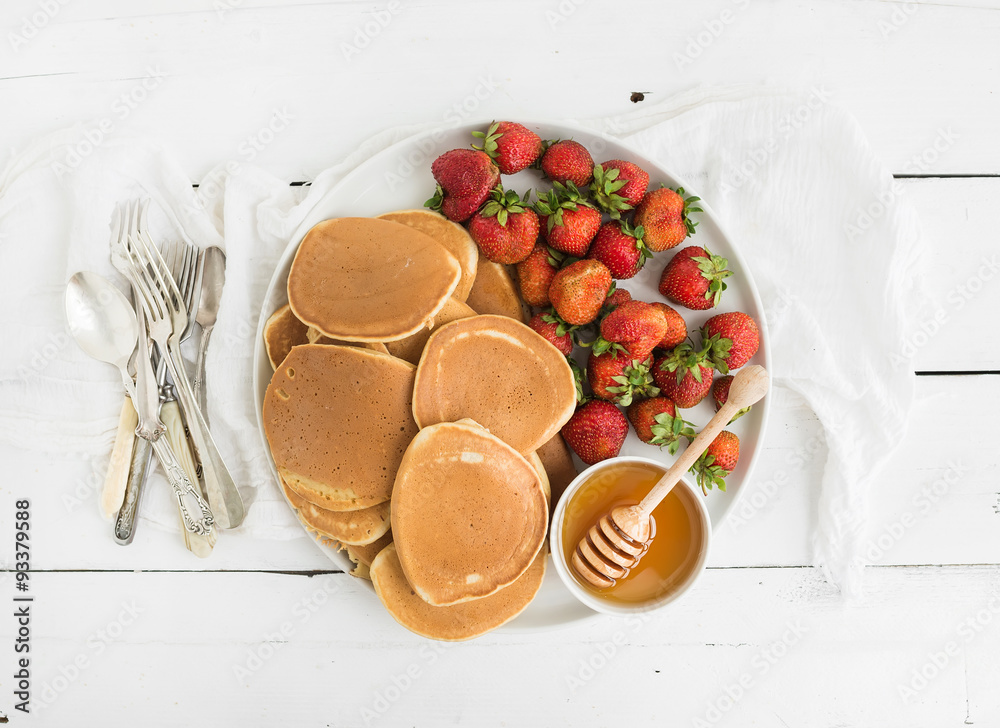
pixel 791 175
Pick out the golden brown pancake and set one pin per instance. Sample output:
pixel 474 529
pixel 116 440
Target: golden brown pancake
pixel 355 528
pixel 558 461
pixel 495 292
pixel 412 347
pixel 281 332
pixel 316 336
pixel 338 420
pixel 468 513
pixel 362 279
pixel 499 373
pixel 536 463
pixel 366 554
pixel 455 239
pixel 459 621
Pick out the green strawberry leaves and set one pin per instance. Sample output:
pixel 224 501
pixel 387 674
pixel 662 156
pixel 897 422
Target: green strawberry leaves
pixel 501 204
pixel 667 431
pixel 689 207
pixel 578 378
pixel 714 270
pixel 708 474
pixel 604 188
pixel 685 358
pixel 718 351
pixel 435 202
pixel 489 140
pixel 636 379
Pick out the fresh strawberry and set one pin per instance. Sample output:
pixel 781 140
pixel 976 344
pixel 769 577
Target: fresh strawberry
pixel 579 290
pixel 568 161
pixel 465 178
pixel 676 327
pixel 504 228
pixel 549 331
pixel 616 298
pixel 656 421
pixel 718 461
pixel 620 247
pixel 635 327
pixel 694 278
pixel 511 146
pixel 720 395
pixel 618 186
pixel 596 431
pixel 684 375
pixel 664 215
pixel 535 274
pixel 620 379
pixel 735 338
pixel 569 221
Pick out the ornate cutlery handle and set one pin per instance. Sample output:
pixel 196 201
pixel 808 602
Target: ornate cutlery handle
pixel 170 413
pixel 183 488
pixel 125 522
pixel 222 493
pixel 113 493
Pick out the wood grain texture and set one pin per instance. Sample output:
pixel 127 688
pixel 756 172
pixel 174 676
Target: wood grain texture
pixel 941 489
pixel 228 70
pixel 322 651
pixel 283 84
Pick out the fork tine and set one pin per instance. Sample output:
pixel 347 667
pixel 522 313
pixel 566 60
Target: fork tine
pixel 116 223
pixel 192 274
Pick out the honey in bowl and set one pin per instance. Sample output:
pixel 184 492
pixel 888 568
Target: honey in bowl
pixel 678 539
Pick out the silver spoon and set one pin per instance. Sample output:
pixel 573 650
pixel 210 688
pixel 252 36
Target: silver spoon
pixel 105 326
pixel 102 321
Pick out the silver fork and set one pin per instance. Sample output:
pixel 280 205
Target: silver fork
pixel 178 258
pixel 167 321
pixel 146 400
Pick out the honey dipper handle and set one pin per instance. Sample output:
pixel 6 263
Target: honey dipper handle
pixel 749 385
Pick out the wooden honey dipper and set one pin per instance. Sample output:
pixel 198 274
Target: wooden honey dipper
pixel 614 545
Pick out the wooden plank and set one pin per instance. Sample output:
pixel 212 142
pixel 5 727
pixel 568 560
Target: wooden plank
pixel 762 646
pixel 961 220
pixel 942 482
pixel 209 79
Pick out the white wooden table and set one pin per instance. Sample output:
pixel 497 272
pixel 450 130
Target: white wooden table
pixel 263 634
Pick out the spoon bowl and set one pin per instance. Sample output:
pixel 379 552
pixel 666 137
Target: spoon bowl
pixel 101 319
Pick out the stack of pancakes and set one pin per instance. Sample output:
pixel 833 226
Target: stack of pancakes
pixel 414 419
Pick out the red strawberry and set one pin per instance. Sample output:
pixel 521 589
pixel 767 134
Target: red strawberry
pixel 735 338
pixel 596 431
pixel 568 161
pixel 720 394
pixel 620 379
pixel 694 278
pixel 616 298
pixel 512 146
pixel 504 228
pixel 570 222
pixel 684 375
pixel 579 290
pixel 620 247
pixel 635 327
pixel 465 178
pixel 549 332
pixel 676 328
pixel 718 461
pixel 663 213
pixel 535 274
pixel 656 421
pixel 618 186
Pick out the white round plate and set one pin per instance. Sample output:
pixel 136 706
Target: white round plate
pixel 399 178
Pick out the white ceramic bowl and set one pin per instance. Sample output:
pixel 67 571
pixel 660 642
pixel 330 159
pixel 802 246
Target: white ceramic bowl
pixel 588 597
